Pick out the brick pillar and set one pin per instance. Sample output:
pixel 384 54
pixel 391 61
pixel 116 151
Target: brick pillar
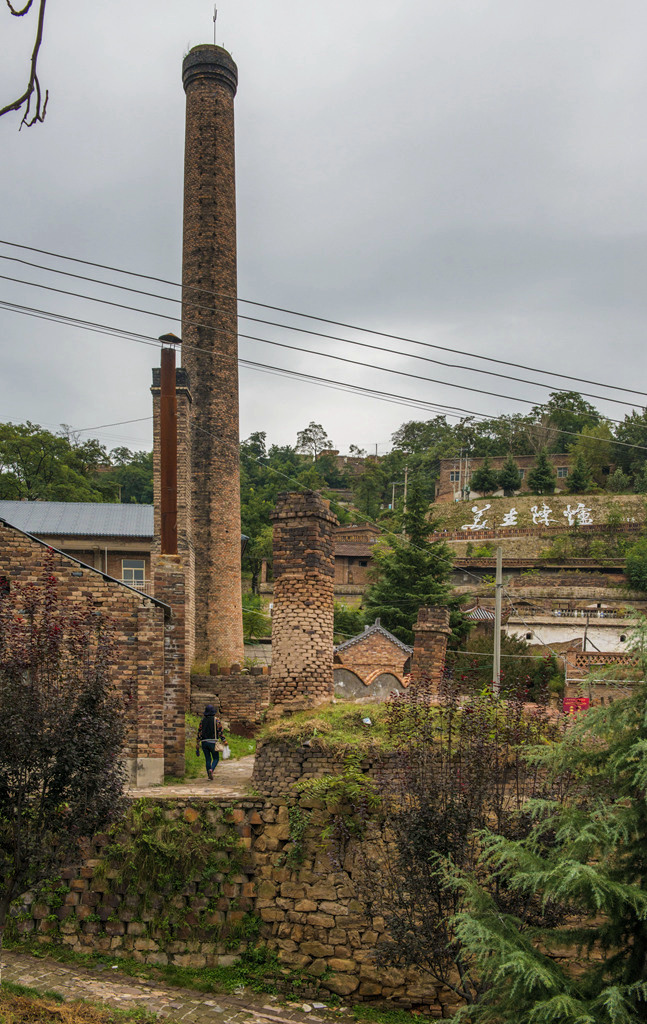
pixel 173 576
pixel 210 349
pixel 302 616
pixel 149 749
pixel 429 648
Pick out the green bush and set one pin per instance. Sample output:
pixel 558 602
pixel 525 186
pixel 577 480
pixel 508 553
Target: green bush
pixel 636 565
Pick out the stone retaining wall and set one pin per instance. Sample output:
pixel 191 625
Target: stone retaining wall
pixel 305 908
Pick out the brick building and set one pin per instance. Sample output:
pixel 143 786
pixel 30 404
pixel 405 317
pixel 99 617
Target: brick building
pixel 114 539
pixel 372 663
pixel 146 665
pixel 454 476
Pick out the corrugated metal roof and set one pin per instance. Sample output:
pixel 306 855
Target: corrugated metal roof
pixel 78 518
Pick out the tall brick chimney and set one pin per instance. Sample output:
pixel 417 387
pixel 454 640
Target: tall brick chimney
pixel 210 349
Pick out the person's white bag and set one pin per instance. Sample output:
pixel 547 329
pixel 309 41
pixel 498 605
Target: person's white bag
pixel 226 752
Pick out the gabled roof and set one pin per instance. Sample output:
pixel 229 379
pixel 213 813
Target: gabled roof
pixel 79 518
pixel 480 614
pixel 371 631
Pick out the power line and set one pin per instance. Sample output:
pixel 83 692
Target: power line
pixel 320 319
pixel 389 397
pixel 317 334
pixel 299 348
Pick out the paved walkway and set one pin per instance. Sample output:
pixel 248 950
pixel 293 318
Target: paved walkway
pixel 231 779
pixel 176 1004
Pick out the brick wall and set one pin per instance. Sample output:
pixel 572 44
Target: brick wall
pixel 139 626
pixel 429 648
pixel 375 652
pixel 210 349
pixel 240 699
pixel 302 616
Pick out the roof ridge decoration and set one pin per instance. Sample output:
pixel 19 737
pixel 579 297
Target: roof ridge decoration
pixel 371 631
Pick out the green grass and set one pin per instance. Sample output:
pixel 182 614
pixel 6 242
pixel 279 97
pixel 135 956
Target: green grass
pixel 13 989
pixel 258 970
pixel 335 726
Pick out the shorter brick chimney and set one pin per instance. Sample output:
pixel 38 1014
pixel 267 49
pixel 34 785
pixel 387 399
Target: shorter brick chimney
pixel 429 648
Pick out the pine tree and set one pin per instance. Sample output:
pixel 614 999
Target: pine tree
pixel 586 855
pixel 541 479
pixel 411 573
pixel 484 480
pixel 509 477
pixel 580 478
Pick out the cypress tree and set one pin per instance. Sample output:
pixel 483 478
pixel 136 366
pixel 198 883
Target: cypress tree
pixel 411 573
pixel 580 478
pixel 509 477
pixel 584 864
pixel 484 480
pixel 542 479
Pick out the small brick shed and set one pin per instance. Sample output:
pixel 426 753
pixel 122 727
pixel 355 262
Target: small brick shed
pixel 145 646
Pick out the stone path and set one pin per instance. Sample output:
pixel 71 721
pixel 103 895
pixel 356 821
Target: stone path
pixel 175 1004
pixel 231 779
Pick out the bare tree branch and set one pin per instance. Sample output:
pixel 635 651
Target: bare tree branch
pixel 33 90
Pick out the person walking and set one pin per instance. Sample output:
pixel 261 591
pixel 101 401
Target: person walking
pixel 211 738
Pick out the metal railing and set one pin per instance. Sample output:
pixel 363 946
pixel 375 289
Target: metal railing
pixel 145 586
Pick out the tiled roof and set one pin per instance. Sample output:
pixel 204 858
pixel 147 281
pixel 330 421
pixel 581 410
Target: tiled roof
pixel 371 631
pixel 79 518
pixel 480 614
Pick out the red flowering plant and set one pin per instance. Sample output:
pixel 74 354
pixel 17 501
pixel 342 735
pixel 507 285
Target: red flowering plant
pixel 61 733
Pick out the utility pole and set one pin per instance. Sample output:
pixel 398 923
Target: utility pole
pixel 498 594
pixel 404 507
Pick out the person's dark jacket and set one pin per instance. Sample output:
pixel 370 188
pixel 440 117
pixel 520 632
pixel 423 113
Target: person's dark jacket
pixel 210 727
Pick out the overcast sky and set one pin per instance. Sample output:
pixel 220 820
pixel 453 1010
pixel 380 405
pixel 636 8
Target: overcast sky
pixel 469 173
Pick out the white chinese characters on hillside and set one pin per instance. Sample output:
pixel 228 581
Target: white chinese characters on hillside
pixel 578 515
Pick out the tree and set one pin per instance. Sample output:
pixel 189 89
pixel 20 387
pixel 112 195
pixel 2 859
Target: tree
pixel 33 89
pixel 568 412
pixel 484 480
pixel 460 771
pixel 585 853
pixel 348 622
pixel 313 439
pixel 61 734
pixel 38 465
pixel 509 478
pixel 632 432
pixel 370 489
pixel 411 573
pixel 580 478
pixel 595 445
pixel 541 479
pixel 618 482
pixel 133 475
pixel 525 675
pixel 636 565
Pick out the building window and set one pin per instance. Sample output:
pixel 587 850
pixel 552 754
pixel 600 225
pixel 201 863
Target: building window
pixel 454 477
pixel 623 638
pixel 522 473
pixel 528 636
pixel 132 571
pixel 562 472
pixel 363 562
